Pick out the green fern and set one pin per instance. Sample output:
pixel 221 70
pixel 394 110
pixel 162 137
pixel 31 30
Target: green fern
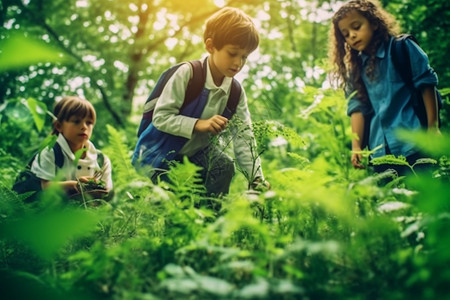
pixel 390 159
pixel 401 161
pixel 118 153
pixel 185 181
pixel 128 184
pixel 10 203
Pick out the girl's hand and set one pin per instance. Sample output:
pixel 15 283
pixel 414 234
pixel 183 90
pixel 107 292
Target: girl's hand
pixel 357 121
pixel 214 125
pixel 434 130
pixel 356 160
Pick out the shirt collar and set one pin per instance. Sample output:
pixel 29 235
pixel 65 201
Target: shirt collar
pixel 381 53
pixel 90 153
pixel 210 85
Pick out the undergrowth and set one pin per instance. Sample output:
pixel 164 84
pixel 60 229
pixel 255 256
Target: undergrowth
pixel 324 230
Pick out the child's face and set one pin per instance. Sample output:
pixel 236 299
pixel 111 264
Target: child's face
pixel 228 61
pixel 77 131
pixel 356 30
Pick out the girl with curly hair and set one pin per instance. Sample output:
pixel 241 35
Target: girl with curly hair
pixel 361 37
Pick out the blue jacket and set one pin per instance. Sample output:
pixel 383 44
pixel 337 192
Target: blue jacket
pixel 391 98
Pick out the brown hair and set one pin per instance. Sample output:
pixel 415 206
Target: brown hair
pixel 346 61
pixel 231 26
pixel 70 106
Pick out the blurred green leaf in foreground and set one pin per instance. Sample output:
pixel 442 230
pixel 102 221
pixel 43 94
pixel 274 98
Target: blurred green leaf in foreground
pixel 18 51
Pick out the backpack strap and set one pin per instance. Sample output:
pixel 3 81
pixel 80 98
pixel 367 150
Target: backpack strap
pixel 401 58
pixel 59 158
pixel 233 99
pixel 197 81
pixel 100 159
pixel 194 88
pixel 402 63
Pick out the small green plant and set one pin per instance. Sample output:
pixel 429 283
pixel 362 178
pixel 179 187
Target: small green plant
pixel 401 161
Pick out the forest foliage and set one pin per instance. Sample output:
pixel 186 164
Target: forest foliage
pixel 324 230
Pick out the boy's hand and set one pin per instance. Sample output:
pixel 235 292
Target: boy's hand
pixel 86 179
pixel 260 185
pixel 214 125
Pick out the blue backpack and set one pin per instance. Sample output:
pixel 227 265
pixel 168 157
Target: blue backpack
pixel 402 63
pixel 194 88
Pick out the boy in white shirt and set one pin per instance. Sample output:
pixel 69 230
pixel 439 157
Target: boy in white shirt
pixel 230 36
pixel 75 120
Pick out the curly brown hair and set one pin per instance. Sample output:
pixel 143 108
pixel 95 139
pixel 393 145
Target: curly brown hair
pixel 346 61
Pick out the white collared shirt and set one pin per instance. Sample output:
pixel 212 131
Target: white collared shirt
pixel 166 117
pixel 44 167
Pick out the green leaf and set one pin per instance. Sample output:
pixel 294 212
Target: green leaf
pixel 78 155
pixel 18 51
pixel 38 110
pixel 390 159
pixel 428 142
pixel 215 286
pixel 47 232
pixel 48 142
pixel 444 91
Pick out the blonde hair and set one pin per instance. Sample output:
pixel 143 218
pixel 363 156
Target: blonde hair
pixel 72 106
pixel 346 61
pixel 231 26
